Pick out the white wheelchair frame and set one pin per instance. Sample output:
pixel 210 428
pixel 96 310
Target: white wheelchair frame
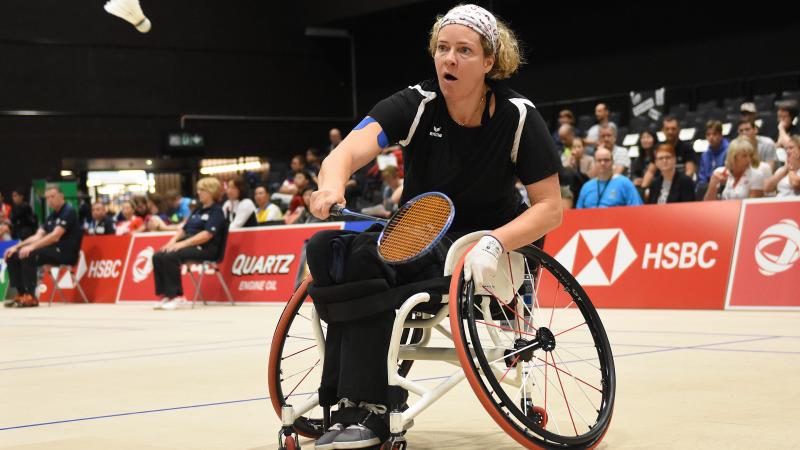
pixel 505 287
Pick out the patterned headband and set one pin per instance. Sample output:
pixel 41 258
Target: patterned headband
pixel 477 19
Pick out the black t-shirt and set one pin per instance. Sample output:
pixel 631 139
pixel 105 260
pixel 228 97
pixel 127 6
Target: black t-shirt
pixel 23 222
pixel 93 227
pixel 66 218
pixel 476 167
pixel 683 154
pixel 210 219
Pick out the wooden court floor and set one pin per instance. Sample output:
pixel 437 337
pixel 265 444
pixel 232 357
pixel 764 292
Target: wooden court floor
pixel 127 377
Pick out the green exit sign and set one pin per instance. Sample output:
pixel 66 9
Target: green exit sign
pixel 185 139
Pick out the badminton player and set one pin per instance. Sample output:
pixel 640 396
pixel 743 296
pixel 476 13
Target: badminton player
pixel 466 134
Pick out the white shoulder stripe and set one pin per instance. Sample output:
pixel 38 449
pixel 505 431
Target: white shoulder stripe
pixel 428 96
pixel 523 113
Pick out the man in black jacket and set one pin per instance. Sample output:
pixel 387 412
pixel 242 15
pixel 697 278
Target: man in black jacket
pixel 58 241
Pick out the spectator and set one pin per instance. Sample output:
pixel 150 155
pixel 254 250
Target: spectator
pixel 23 221
pixel 239 209
pixel 313 161
pixel 565 117
pixel 265 210
pixel 130 223
pixel 177 206
pixel 787 122
pixel 57 242
pixel 738 176
pixel 298 165
pixel 5 207
pixel 99 223
pixel 608 189
pixel 608 139
pixel 766 146
pixel 298 214
pixel 578 168
pixel 302 180
pixel 5 226
pixel 715 155
pixel 567 198
pixel 669 185
pixel 787 179
pixel 601 113
pixel 392 190
pixel 335 137
pixel 157 218
pixel 198 240
pixel 645 162
pixel 685 156
pixel 566 135
pixel 761 166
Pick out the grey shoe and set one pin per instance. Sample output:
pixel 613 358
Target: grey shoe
pixel 355 436
pixel 325 442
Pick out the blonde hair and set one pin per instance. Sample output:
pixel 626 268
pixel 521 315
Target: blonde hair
pixel 210 185
pixel 507 56
pixel 738 145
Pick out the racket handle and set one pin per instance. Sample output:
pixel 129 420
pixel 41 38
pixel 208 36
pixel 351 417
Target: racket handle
pixel 337 210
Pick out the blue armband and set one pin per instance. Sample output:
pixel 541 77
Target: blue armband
pixel 383 141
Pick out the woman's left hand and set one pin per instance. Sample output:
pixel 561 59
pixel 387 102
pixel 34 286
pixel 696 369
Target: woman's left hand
pixel 481 261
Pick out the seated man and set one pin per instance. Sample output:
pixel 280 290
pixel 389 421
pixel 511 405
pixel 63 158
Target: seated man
pixel 608 139
pixel 99 223
pixel 58 242
pixel 608 189
pixel 199 240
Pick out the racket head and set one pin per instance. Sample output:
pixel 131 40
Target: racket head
pixel 416 227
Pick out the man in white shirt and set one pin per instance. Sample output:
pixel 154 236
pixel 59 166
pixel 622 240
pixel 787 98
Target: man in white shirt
pixel 608 139
pixel 601 113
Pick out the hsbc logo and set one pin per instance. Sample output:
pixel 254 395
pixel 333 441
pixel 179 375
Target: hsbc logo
pixel 597 257
pixel 600 257
pixel 104 268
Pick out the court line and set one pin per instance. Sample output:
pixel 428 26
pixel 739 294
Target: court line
pixel 111 352
pixel 71 363
pixel 202 405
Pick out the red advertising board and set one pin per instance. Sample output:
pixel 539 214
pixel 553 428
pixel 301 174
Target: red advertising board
pixel 656 256
pixel 766 266
pixel 260 265
pixel 98 271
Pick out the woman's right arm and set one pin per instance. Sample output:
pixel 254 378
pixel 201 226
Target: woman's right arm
pixel 355 151
pixel 772 182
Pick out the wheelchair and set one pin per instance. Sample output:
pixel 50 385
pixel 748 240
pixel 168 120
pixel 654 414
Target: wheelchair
pixel 531 346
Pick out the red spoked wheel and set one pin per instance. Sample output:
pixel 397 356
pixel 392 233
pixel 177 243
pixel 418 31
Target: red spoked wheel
pixel 539 359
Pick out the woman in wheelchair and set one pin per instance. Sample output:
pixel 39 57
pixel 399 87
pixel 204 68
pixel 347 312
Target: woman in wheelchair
pixel 465 134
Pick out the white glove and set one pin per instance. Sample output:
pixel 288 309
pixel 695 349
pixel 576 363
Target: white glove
pixel 481 261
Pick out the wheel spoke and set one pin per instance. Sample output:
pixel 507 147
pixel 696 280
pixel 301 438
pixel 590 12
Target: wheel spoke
pixel 579 387
pixel 298 352
pixel 504 328
pixel 576 326
pixel 564 393
pixel 560 370
pixel 303 379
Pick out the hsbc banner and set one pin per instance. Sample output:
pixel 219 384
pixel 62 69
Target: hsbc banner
pixel 766 267
pixel 99 269
pixel 674 256
pixel 260 265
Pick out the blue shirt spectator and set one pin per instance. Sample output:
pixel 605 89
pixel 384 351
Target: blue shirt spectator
pixel 715 155
pixel 607 189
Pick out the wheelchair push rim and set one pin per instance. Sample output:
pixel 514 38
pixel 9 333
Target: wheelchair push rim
pixel 549 354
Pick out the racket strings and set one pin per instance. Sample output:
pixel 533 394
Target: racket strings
pixel 413 229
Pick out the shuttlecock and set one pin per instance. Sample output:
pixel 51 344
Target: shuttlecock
pixel 131 11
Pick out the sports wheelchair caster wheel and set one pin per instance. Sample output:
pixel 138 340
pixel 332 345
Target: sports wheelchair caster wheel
pixel 395 443
pixel 287 440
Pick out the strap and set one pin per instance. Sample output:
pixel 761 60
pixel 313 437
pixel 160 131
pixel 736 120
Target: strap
pixel 523 113
pixel 377 423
